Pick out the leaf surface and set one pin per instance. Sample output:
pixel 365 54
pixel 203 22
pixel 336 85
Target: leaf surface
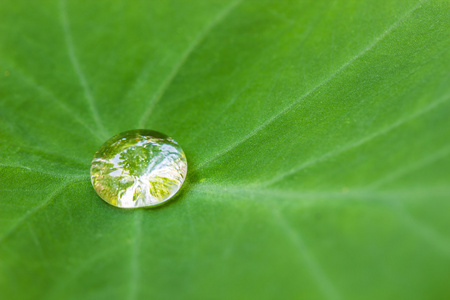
pixel 317 136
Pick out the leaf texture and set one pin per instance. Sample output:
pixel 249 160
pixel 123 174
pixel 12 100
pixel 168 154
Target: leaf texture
pixel 317 136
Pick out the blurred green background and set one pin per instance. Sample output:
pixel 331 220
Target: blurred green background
pixel 317 135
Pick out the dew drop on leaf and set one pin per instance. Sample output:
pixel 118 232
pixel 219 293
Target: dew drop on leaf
pixel 138 168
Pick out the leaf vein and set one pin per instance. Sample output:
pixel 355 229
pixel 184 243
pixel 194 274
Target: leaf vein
pixel 434 157
pixel 191 48
pixel 37 208
pixel 288 108
pixel 77 68
pixel 40 172
pixel 31 82
pixel 322 280
pixel 135 254
pixel 358 143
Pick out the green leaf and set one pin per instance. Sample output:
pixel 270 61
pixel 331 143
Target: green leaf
pixel 317 136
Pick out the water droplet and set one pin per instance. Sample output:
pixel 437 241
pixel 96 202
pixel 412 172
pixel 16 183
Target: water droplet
pixel 138 168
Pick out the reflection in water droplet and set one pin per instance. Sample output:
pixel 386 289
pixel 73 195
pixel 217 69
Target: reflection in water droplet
pixel 138 168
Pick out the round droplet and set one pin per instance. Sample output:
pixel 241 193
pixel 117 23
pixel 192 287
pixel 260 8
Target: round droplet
pixel 138 168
